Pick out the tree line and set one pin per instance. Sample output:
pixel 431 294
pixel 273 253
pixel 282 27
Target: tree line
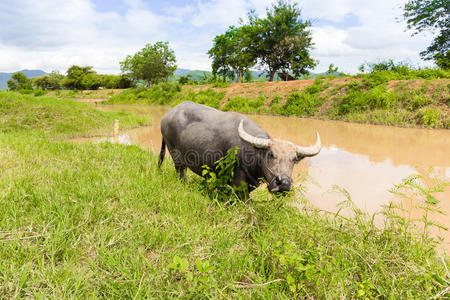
pixel 80 78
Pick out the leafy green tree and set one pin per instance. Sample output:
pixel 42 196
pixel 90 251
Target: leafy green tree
pixel 432 15
pixel 19 81
pixel 51 81
pixel 232 52
pixel 282 40
pixel 219 54
pixel 75 78
pixel 42 82
pixel 153 64
pixel 91 81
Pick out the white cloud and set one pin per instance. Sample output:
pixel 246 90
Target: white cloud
pixel 54 34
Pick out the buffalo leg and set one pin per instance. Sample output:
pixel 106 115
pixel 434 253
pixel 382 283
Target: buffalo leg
pixel 181 170
pixel 240 181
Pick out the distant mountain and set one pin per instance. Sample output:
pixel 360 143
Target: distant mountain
pixel 196 74
pixel 4 77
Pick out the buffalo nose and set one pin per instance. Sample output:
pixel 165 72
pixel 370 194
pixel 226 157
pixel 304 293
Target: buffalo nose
pixel 284 183
pixel 278 180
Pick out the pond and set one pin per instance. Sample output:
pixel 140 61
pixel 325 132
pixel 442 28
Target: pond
pixel 365 160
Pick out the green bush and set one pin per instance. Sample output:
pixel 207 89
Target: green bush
pixel 301 104
pixel 376 98
pixel 245 105
pixel 430 117
pixel 207 97
pixel 38 92
pixel 318 86
pixel 417 101
pixel 218 181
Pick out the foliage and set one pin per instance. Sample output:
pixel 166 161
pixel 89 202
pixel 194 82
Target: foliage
pixel 430 117
pixel 218 180
pixel 167 94
pixel 391 94
pixel 48 82
pixel 442 60
pixel 232 51
pixel 116 81
pixel 244 105
pixel 185 79
pixel 282 40
pixel 332 69
pixel 19 81
pixel 301 104
pixel 80 78
pixel 434 16
pixel 153 63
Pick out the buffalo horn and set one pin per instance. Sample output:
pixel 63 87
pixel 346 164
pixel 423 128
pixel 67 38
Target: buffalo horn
pixel 252 140
pixel 312 150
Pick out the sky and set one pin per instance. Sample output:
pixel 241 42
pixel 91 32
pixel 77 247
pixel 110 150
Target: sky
pixel 54 34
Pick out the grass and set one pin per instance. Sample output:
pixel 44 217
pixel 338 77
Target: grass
pixel 101 220
pixel 400 97
pixel 57 117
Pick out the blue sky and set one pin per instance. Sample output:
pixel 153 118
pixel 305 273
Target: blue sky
pixel 53 34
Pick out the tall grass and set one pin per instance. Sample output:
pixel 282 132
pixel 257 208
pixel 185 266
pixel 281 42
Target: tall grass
pixel 101 220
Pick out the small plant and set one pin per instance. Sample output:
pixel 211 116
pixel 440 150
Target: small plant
pixel 197 280
pixel 430 117
pixel 418 101
pixel 421 194
pixel 38 92
pixel 218 181
pixel 301 104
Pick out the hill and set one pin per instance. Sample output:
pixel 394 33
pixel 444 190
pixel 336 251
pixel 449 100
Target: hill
pixel 4 77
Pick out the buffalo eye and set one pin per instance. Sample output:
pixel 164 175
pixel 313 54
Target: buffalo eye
pixel 298 158
pixel 270 154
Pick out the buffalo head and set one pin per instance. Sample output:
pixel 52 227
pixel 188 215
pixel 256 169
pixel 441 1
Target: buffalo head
pixel 278 158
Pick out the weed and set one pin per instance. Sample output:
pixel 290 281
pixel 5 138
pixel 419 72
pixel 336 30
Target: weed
pixel 218 181
pixel 430 117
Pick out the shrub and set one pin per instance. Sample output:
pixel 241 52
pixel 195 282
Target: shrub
pixel 430 117
pixel 218 182
pixel 207 97
pixel 38 92
pixel 301 104
pixel 318 86
pixel 245 104
pixel 417 101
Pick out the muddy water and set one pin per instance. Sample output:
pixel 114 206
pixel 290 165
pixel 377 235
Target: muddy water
pixel 365 160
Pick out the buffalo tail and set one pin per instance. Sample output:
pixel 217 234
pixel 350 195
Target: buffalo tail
pixel 162 153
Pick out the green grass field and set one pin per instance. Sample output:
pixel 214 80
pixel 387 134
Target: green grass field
pixel 101 220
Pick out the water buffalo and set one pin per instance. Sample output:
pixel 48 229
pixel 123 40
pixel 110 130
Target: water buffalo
pixel 198 135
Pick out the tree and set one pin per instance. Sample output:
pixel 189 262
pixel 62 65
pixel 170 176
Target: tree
pixel 51 81
pixel 19 81
pixel 232 52
pixel 432 15
pixel 75 78
pixel 332 69
pixel 282 40
pixel 153 64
